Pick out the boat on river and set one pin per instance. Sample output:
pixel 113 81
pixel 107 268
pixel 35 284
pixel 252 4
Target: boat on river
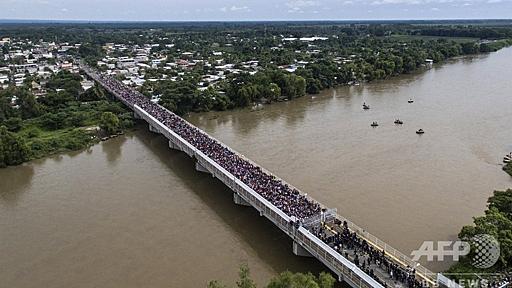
pixel 420 131
pixel 374 124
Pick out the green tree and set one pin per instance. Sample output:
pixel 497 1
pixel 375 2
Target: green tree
pixel 508 168
pixel 109 122
pixel 6 109
pixel 28 105
pixel 245 280
pixel 91 52
pixel 94 93
pixel 215 284
pixel 284 280
pixel 13 124
pixel 65 80
pixel 273 92
pixel 300 280
pixel 13 150
pixel 496 222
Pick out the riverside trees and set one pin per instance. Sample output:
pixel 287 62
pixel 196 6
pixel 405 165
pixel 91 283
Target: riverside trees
pixel 194 67
pixel 497 222
pixel 284 280
pixel 13 150
pixel 292 58
pixel 33 127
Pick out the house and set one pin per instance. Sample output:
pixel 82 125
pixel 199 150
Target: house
pixel 125 62
pixel 4 79
pixel 429 63
pixel 22 68
pixel 5 41
pixel 141 57
pixel 86 84
pixel 66 66
pixel 225 67
pixel 44 74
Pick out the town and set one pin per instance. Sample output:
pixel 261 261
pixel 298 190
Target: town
pixel 221 69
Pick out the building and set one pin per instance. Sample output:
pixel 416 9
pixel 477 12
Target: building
pixel 429 63
pixel 125 62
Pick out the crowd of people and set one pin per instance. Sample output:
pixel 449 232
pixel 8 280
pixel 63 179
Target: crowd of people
pixel 500 281
pixel 366 257
pixel 281 195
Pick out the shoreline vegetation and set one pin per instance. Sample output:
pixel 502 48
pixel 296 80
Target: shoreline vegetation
pixel 66 119
pixel 508 168
pixel 260 64
pixel 265 67
pixel 272 83
pixel 497 222
pixel 283 280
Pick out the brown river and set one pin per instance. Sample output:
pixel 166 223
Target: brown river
pixel 129 212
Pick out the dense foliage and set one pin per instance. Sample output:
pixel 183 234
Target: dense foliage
pixel 13 150
pixel 508 168
pixel 286 67
pixel 283 280
pixel 36 127
pixel 380 58
pixel 109 123
pixel 352 51
pixel 349 54
pixel 497 222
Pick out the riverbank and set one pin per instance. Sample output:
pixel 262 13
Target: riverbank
pixel 59 124
pixel 329 133
pixel 403 188
pixel 385 58
pixel 508 168
pixel 67 118
pixel 496 222
pixel 74 127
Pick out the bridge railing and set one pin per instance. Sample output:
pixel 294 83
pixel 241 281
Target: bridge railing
pixel 396 255
pixel 261 204
pixel 265 208
pixel 348 271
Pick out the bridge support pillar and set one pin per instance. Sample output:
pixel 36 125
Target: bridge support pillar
pixel 300 251
pixel 239 200
pixel 153 129
pixel 174 146
pixel 136 116
pixel 200 168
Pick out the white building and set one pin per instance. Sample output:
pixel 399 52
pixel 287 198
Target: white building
pixel 125 62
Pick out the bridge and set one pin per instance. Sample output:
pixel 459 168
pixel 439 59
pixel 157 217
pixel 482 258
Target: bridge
pixel 352 253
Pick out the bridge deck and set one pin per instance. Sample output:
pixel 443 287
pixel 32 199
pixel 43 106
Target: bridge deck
pixel 340 262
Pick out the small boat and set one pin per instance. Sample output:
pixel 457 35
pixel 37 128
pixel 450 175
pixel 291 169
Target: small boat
pixel 365 106
pixel 374 124
pixel 410 101
pixel 399 122
pixel 420 131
